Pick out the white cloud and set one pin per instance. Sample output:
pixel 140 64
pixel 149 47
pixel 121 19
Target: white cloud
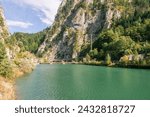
pixel 46 8
pixel 19 24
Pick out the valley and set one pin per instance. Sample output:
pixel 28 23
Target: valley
pixel 113 33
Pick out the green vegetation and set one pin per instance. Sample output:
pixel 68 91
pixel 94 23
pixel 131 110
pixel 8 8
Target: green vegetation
pixel 108 60
pixel 128 40
pixel 21 45
pixel 26 41
pixel 5 67
pixel 15 51
pixel 1 21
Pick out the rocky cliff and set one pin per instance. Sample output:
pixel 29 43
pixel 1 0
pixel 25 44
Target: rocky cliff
pixel 77 24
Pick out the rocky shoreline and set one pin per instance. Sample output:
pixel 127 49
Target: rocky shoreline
pixel 7 89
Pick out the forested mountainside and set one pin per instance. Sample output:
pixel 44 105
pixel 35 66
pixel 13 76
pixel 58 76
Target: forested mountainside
pixel 100 29
pixel 7 90
pixel 5 69
pixel 28 41
pixel 14 59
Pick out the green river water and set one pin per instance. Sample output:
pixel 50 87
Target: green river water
pixel 69 82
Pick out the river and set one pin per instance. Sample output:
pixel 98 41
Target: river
pixel 74 82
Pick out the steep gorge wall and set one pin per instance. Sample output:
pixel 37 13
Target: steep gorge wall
pixel 76 22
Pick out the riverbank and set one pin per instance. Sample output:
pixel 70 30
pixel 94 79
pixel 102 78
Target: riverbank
pixel 97 63
pixel 133 66
pixel 117 65
pixel 7 85
pixel 7 89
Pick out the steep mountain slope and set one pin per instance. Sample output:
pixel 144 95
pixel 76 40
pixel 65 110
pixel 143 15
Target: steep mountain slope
pixel 79 23
pixel 7 90
pixel 75 23
pixel 4 34
pixel 13 61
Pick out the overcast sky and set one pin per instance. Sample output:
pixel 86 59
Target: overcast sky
pixel 29 15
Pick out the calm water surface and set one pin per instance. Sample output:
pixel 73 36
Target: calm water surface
pixel 83 82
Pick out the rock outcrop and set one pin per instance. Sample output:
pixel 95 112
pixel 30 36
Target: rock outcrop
pixel 77 23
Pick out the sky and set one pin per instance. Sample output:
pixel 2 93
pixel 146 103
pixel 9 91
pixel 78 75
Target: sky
pixel 29 15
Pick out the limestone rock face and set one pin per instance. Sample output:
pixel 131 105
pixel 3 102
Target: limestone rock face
pixel 76 23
